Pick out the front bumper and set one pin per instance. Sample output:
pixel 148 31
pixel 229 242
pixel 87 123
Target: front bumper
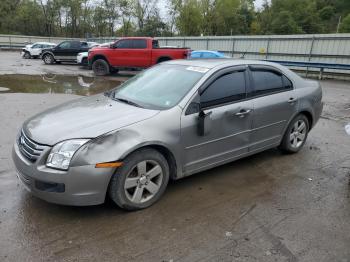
pixel 78 186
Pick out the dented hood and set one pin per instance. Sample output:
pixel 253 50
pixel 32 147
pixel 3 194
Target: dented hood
pixel 87 117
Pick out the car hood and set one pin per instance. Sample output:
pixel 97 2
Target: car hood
pixel 87 117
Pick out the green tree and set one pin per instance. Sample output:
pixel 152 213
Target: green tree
pixel 284 23
pixel 345 25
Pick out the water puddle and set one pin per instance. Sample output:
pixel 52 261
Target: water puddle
pixel 51 83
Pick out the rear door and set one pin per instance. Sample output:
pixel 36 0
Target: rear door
pixel 141 53
pixel 224 98
pixel 274 102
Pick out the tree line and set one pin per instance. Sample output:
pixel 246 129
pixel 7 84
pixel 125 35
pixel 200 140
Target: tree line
pixel 93 18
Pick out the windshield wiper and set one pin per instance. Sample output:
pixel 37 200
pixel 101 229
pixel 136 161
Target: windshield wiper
pixel 127 101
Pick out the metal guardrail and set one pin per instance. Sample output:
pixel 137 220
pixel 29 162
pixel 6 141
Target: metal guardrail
pixel 321 66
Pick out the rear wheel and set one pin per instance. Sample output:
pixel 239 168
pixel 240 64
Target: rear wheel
pixel 48 59
pixel 141 181
pixel 295 135
pixel 100 67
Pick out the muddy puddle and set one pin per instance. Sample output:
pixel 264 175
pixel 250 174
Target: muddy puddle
pixel 51 83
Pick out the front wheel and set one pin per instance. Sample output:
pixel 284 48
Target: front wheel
pixel 140 181
pixel 100 67
pixel 295 135
pixel 27 55
pixel 48 59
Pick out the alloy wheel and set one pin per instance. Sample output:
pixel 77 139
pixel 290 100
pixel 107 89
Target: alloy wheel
pixel 298 133
pixel 48 59
pixel 143 182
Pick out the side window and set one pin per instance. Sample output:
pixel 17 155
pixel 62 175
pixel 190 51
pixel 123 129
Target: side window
pixel 65 45
pixel 227 88
pixel 287 83
pixel 84 45
pixel 36 46
pixel 124 44
pixel 195 55
pixel 75 45
pixel 139 43
pixel 268 82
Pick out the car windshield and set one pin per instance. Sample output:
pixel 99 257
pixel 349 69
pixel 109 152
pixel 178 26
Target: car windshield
pixel 160 87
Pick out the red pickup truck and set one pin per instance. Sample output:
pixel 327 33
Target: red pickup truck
pixel 132 53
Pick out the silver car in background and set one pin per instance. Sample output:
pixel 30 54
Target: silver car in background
pixel 170 121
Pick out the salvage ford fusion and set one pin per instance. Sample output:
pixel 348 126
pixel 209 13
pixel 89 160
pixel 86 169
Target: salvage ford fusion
pixel 171 121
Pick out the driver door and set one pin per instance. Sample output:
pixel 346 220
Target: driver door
pixel 224 101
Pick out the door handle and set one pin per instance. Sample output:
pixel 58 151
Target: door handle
pixel 292 100
pixel 243 112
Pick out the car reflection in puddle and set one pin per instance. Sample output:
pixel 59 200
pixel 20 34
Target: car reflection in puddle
pixel 51 83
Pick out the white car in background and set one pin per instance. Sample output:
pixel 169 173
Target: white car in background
pixel 82 58
pixel 34 50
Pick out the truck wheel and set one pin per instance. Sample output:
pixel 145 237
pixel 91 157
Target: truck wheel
pixel 140 181
pixel 27 55
pixel 100 67
pixel 48 59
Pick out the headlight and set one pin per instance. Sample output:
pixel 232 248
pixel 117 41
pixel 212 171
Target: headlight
pixel 62 153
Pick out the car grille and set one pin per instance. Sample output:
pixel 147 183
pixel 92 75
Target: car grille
pixel 29 148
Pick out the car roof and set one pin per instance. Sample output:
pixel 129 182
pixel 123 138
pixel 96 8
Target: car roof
pixel 219 62
pixel 42 43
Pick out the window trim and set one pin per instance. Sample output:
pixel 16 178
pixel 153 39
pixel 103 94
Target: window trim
pixel 217 75
pixel 266 68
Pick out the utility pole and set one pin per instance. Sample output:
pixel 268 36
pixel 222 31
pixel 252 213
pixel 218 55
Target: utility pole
pixel 339 22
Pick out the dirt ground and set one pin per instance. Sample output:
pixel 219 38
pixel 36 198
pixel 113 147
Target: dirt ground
pixel 268 207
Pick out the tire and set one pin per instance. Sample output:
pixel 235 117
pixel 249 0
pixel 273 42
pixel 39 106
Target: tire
pixel 84 62
pixel 134 186
pixel 100 67
pixel 295 135
pixel 48 59
pixel 27 55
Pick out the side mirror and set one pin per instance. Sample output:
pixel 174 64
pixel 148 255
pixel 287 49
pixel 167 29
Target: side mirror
pixel 204 123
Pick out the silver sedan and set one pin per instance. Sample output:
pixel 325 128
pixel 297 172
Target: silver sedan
pixel 171 121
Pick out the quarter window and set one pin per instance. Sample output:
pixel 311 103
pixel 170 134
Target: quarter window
pixel 268 82
pixel 227 88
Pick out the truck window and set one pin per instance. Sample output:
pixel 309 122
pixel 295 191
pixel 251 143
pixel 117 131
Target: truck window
pixel 139 43
pixel 155 44
pixel 75 45
pixel 124 44
pixel 65 45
